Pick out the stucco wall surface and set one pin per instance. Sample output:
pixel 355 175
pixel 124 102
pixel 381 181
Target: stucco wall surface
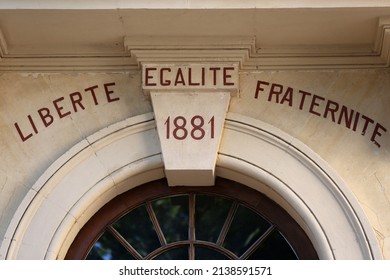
pixel 358 161
pixel 22 95
pixel 43 115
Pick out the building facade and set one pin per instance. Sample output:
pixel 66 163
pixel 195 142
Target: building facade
pixel 214 129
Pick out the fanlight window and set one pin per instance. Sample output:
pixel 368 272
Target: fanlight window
pixel 190 223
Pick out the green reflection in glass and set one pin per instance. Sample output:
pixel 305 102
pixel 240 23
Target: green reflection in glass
pixel 108 248
pixel 275 247
pixel 246 228
pixel 180 253
pixel 137 228
pixel 210 215
pixel 173 216
pixel 204 253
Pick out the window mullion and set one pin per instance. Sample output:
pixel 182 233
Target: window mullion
pixel 192 226
pixel 227 224
pixel 156 225
pixel 124 243
pixel 258 242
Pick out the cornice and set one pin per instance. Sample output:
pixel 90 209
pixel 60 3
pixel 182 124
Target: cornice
pixel 191 49
pixel 62 63
pixel 382 43
pixel 187 4
pixel 67 63
pixel 3 45
pixel 243 50
pixel 187 49
pixel 320 57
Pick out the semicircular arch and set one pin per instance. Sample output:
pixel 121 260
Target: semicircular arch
pixel 128 154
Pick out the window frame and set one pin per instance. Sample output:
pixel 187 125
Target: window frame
pixel 246 196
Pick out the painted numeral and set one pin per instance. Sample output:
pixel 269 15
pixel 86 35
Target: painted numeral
pixel 181 132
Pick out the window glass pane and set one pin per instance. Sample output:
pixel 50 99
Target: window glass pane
pixel 204 253
pixel 137 228
pixel 108 248
pixel 210 215
pixel 275 247
pixel 180 253
pixel 172 214
pixel 246 228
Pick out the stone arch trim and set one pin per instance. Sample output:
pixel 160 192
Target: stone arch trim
pixel 128 154
pixel 304 184
pixel 121 156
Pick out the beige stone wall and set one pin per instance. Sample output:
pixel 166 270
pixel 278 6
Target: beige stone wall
pixel 360 163
pixel 22 162
pixel 82 103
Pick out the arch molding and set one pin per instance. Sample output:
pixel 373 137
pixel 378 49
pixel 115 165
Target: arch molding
pixel 128 154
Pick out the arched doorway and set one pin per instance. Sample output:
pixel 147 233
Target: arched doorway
pixel 128 154
pixel 225 221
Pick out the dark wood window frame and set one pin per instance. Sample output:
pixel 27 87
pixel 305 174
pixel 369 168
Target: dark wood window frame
pixel 239 193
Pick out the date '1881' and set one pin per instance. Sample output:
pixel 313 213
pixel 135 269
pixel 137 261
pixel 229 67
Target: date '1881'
pixel 198 128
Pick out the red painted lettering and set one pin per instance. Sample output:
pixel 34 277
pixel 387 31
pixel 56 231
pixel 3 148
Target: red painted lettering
pixel 259 88
pixel 315 104
pixel 203 76
pixel 76 98
pixel 24 138
pixel 179 78
pixel 377 133
pixel 32 124
pixel 357 115
pixel 227 76
pixel 149 77
pixel 367 121
pixel 46 117
pixel 110 92
pixel 214 74
pixel 164 82
pixel 287 97
pixel 347 118
pixel 331 107
pixel 190 82
pixel 60 108
pixel 304 94
pixel 321 106
pixel 276 90
pixel 92 90
pixel 197 133
pixel 181 131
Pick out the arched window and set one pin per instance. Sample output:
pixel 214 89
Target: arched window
pixel 225 221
